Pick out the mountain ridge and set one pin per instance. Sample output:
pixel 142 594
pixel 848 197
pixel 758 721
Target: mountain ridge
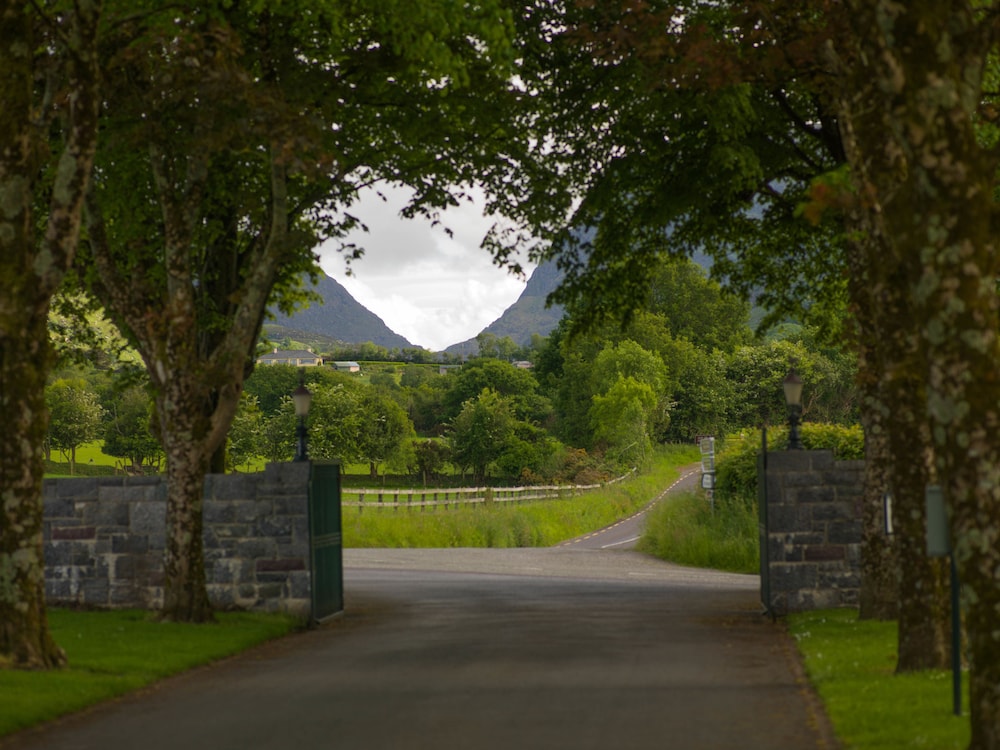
pixel 339 319
pixel 528 314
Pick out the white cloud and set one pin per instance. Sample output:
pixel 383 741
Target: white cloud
pixel 433 289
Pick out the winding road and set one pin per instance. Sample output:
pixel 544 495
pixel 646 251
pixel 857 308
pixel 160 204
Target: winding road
pixel 584 646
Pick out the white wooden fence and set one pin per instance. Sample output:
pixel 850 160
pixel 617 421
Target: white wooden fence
pixel 455 497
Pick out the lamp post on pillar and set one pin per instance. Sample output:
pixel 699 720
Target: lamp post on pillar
pixel 792 385
pixel 301 398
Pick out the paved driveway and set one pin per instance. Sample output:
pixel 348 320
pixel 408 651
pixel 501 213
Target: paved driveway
pixel 490 649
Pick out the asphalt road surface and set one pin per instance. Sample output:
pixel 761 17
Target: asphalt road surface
pixel 625 534
pixel 481 649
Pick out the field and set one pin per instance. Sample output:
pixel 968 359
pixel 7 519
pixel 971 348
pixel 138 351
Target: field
pixel 536 524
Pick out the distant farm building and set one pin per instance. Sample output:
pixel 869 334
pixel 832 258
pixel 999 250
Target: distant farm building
pixel 347 367
pixel 293 357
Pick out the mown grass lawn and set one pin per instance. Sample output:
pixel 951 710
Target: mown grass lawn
pixel 115 652
pixel 852 663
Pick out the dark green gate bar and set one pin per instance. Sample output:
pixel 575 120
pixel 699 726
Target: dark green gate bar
pixel 326 544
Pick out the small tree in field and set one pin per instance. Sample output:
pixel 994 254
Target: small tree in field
pixel 74 417
pixel 481 432
pixel 430 457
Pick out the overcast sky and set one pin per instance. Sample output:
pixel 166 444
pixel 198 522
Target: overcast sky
pixel 433 289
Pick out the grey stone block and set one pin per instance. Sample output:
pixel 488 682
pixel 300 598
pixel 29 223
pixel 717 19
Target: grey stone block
pixel 221 597
pixel 247 591
pixel 256 548
pixel 58 554
pixel 217 513
pixel 158 541
pixel 129 544
pixel 788 461
pixel 813 494
pixel 792 576
pixel 95 592
pixel 220 571
pixel 832 511
pixel 844 532
pixel 127 595
pixel 229 531
pixel 147 517
pixel 234 487
pixel 294 548
pixel 58 590
pixel 274 528
pixel 80 489
pixel 802 479
pixel 269 578
pixel 300 585
pixel 266 591
pixel 249 511
pixel 291 505
pixel 58 507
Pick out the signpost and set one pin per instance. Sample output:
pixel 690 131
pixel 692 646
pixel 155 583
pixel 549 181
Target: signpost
pixel 707 446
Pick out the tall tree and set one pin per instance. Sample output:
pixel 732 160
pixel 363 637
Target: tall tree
pixel 238 135
pixel 684 126
pixel 911 96
pixel 385 429
pixel 49 82
pixel 128 434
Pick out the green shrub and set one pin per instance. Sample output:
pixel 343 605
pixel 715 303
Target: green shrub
pixel 736 463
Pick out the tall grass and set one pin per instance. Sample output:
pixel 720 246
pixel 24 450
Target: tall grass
pixel 685 529
pixel 537 524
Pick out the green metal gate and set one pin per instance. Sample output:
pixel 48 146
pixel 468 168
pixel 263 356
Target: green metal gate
pixel 326 545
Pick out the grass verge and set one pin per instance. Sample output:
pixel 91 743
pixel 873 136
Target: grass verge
pixel 538 524
pixel 115 652
pixel 686 530
pixel 852 663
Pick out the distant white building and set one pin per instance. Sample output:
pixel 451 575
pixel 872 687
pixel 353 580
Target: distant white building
pixel 293 357
pixel 347 367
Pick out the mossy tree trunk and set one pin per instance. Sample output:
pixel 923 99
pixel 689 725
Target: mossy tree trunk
pixel 918 84
pixel 24 634
pixel 31 269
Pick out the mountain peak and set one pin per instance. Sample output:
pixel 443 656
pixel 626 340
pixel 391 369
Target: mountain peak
pixel 339 317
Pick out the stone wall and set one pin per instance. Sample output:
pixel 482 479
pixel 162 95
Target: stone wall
pixel 105 536
pixel 812 532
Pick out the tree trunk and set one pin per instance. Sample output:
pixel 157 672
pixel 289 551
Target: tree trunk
pixel 25 641
pixel 881 288
pixel 918 81
pixel 31 269
pixel 879 595
pixel 880 583
pixel 185 592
